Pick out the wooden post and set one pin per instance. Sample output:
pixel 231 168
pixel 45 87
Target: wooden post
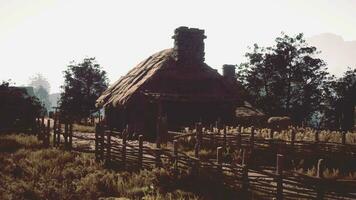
pixel 316 138
pixel 175 153
pixel 97 127
pixel 244 157
pixel 252 138
pixel 219 158
pixel 245 182
pixel 343 137
pixel 238 141
pixel 319 174
pixel 198 139
pixel 66 135
pixel 70 145
pixel 54 130
pixel 59 132
pixel 224 141
pixel 293 133
pixel 108 146
pixel 140 151
pixel 271 133
pixel 47 133
pixel 124 137
pixel 279 172
pixel 320 168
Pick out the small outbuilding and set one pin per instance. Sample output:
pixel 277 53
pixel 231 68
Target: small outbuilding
pixel 175 85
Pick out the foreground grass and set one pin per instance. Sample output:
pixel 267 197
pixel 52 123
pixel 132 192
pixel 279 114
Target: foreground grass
pixel 28 171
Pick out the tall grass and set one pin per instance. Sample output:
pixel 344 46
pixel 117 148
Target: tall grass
pixel 30 172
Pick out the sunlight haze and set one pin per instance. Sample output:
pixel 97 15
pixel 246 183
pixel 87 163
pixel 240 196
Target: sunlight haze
pixel 44 36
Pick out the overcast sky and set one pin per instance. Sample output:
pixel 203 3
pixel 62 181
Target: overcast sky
pixel 43 36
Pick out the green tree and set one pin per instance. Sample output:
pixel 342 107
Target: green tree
pixel 84 83
pixel 18 109
pixel 340 100
pixel 286 78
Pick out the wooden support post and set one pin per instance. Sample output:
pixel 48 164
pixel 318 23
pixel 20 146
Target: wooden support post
pixel 59 132
pixel 238 141
pixel 124 137
pixel 316 138
pixel 66 135
pixel 211 128
pixel 70 131
pixel 47 133
pixel 271 133
pixel 252 138
pixel 97 129
pixel 245 182
pixel 219 158
pixel 54 130
pixel 320 168
pixel 343 137
pixel 279 172
pixel 224 139
pixel 140 151
pixel 244 157
pixel 108 146
pixel 293 133
pixel 175 153
pixel 198 138
pixel 319 174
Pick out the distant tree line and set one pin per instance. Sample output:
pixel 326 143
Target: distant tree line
pixel 289 79
pixel 18 109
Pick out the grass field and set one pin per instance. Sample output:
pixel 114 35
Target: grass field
pixel 28 171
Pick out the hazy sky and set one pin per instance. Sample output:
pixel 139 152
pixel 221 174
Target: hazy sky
pixel 44 36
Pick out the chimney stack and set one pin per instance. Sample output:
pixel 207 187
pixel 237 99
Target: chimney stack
pixel 189 45
pixel 229 72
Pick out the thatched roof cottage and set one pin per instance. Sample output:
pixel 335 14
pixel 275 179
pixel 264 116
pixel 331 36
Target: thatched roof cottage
pixel 175 84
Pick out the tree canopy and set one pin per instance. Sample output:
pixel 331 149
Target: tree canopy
pixel 18 109
pixel 286 78
pixel 84 83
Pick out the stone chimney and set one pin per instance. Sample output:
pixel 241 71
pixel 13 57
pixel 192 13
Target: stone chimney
pixel 189 45
pixel 229 72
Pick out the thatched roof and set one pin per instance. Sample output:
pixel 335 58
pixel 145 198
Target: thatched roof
pixel 248 111
pixel 161 75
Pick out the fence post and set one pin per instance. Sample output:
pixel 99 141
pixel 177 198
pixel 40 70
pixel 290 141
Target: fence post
pixel 54 130
pixel 293 137
pixel 66 135
pixel 71 136
pixel 108 146
pixel 316 138
pixel 59 132
pixel 245 181
pixel 271 133
pixel 140 151
pixel 198 139
pixel 224 141
pixel 47 133
pixel 219 158
pixel 252 138
pixel 320 175
pixel 97 129
pixel 343 137
pixel 238 141
pixel 279 172
pixel 175 153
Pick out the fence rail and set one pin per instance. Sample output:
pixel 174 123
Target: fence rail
pixel 279 183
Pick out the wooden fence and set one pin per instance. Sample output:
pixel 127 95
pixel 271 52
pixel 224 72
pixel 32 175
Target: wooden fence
pixel 267 183
pixel 237 138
